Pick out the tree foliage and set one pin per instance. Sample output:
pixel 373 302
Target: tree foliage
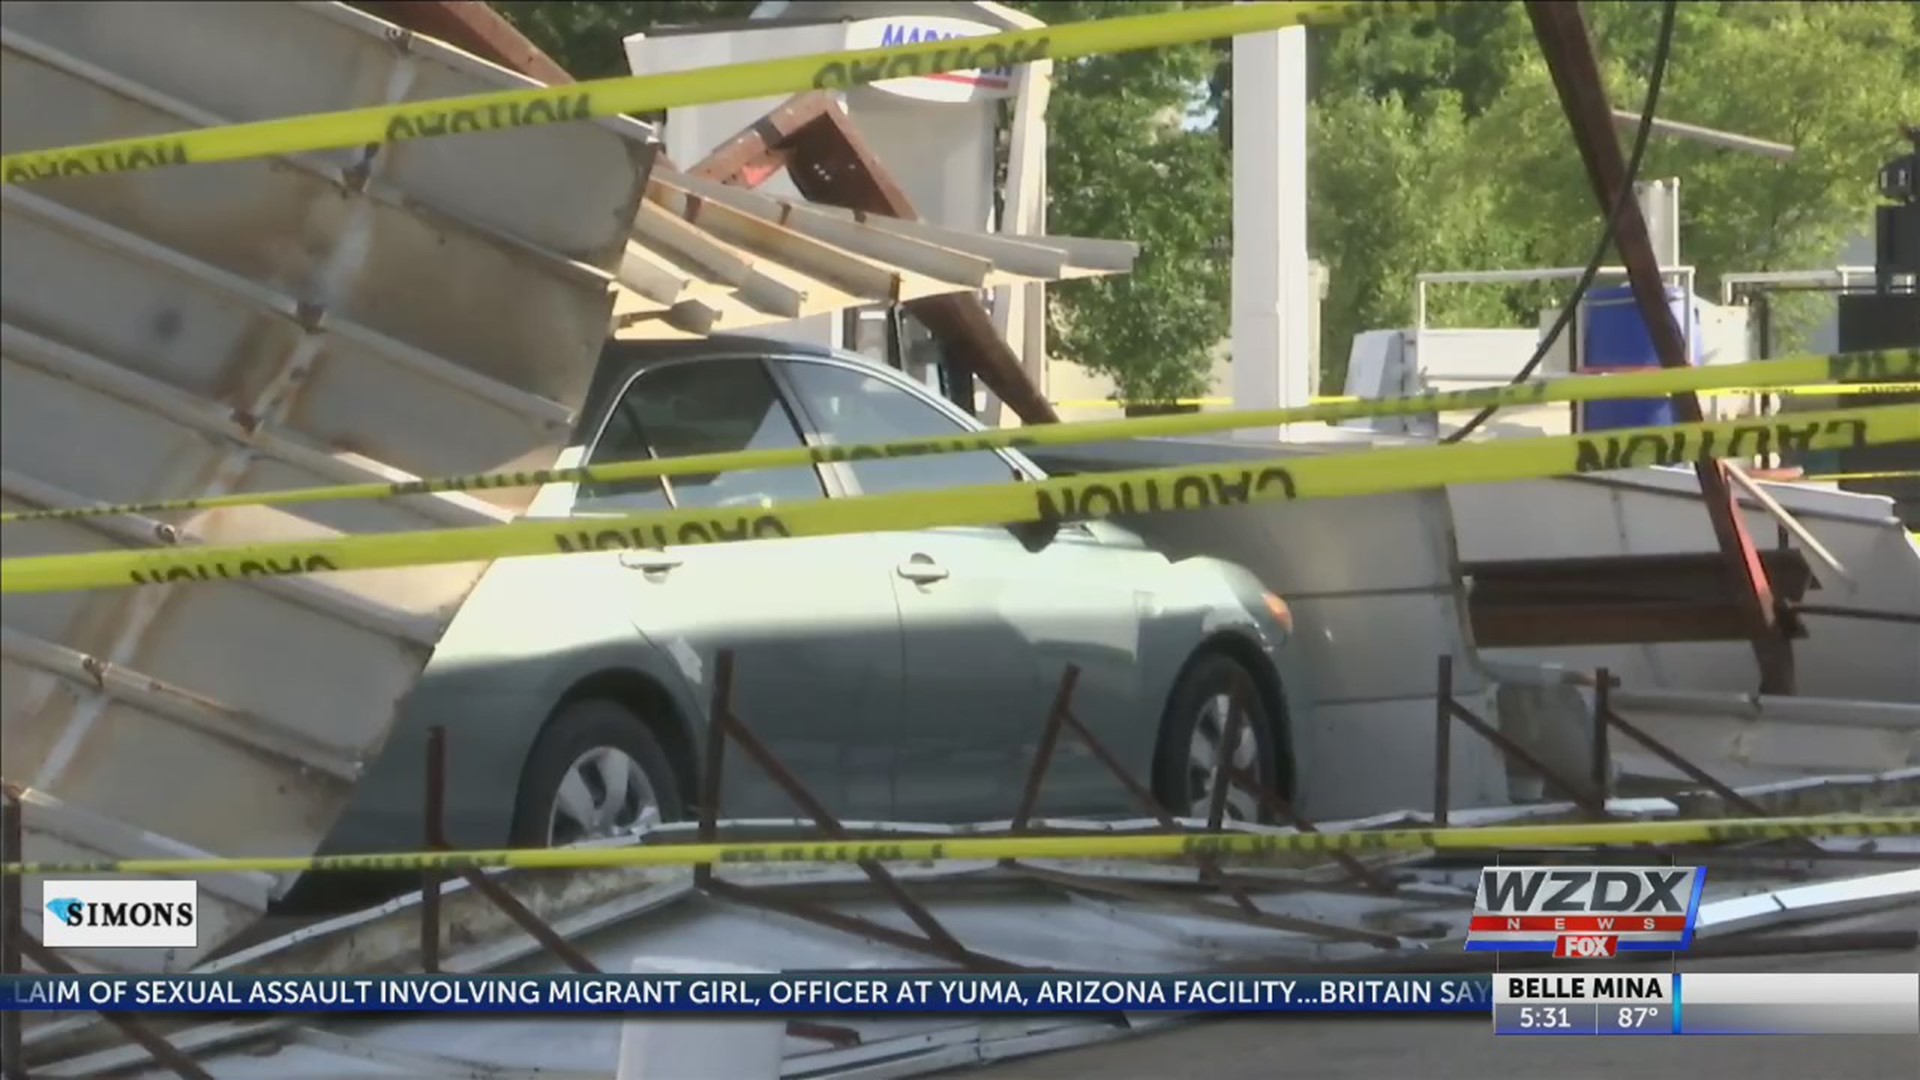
pixel 585 37
pixel 1833 80
pixel 1435 143
pixel 1122 162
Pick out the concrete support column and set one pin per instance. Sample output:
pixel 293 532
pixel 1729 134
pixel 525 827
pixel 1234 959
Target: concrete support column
pixel 1272 288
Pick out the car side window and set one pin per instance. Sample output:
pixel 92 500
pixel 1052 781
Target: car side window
pixel 851 407
pixel 700 407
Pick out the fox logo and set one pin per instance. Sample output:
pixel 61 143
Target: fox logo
pixel 1586 946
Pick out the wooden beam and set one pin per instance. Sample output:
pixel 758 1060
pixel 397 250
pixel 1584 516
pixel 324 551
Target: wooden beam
pixel 829 163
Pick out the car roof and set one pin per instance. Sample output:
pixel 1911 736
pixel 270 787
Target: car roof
pixel 619 360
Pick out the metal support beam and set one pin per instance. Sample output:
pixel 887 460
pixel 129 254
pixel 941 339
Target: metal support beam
pixel 1564 42
pixel 164 1053
pixel 435 839
pixel 1450 709
pixel 937 940
pixel 1723 140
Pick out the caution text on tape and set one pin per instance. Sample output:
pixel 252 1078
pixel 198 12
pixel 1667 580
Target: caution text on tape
pixel 510 109
pixel 1099 495
pixel 1902 362
pixel 1161 846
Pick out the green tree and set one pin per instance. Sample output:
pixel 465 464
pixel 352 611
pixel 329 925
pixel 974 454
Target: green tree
pixel 1396 191
pixel 1122 162
pixel 1832 80
pixel 1397 182
pixel 585 37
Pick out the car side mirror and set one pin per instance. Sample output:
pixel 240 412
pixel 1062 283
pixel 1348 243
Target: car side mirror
pixel 1035 536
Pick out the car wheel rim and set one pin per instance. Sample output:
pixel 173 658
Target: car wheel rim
pixel 603 793
pixel 1206 750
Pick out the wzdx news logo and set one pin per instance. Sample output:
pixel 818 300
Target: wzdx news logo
pixel 121 914
pixel 1585 912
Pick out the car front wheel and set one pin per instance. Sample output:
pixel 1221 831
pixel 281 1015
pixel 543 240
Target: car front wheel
pixel 1194 740
pixel 596 772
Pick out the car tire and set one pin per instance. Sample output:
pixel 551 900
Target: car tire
pixel 1191 732
pixel 589 749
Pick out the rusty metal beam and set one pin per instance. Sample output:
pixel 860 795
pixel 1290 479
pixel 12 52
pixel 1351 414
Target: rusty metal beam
pixel 812 138
pixel 1622 599
pixel 164 1053
pixel 1562 33
pixel 435 839
pixel 475 27
pixel 1252 915
pixel 829 824
pixel 1586 800
pixel 1694 772
pixel 1443 744
pixel 497 894
pixel 1284 811
pixel 1043 754
pixel 1449 709
pixel 1663 577
pixel 937 939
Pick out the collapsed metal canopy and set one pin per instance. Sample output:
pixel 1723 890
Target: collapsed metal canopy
pixel 709 258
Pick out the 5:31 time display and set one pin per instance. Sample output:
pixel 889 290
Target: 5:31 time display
pixel 1545 1017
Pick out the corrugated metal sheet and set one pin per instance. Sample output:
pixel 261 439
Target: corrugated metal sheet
pixel 706 258
pixel 435 306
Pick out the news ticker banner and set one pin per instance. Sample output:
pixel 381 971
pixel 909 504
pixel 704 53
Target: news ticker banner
pixel 1583 1003
pixel 791 993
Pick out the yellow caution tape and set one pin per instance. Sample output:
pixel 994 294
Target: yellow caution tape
pixel 1826 390
pixel 1581 388
pixel 1148 846
pixel 1110 403
pixel 600 98
pixel 1896 474
pixel 1099 495
pixel 1838 390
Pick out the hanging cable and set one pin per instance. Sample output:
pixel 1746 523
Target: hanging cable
pixel 1661 52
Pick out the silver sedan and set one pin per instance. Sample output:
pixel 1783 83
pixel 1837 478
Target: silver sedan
pixel 898 675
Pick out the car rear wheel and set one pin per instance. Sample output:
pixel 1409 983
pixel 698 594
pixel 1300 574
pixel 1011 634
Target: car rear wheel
pixel 596 772
pixel 1194 736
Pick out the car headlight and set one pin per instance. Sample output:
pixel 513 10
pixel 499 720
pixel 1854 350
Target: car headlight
pixel 1278 608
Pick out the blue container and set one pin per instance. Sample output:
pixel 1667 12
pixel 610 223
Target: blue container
pixel 1617 340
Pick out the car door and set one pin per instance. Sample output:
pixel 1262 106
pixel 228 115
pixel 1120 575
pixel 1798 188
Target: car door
pixel 988 626
pixel 812 621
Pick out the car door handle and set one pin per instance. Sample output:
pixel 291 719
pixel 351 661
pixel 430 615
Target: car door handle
pixel 921 569
pixel 649 562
